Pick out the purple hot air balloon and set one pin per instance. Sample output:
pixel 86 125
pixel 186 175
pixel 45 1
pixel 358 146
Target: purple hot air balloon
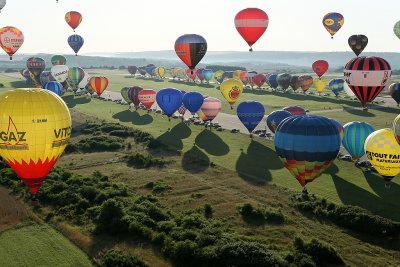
pixel 133 94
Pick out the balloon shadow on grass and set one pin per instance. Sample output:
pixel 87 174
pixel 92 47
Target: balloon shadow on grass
pixel 183 82
pixel 359 112
pixel 195 160
pixel 377 184
pixel 134 117
pixel 72 101
pixel 173 137
pixel 211 143
pixel 21 84
pixel 254 165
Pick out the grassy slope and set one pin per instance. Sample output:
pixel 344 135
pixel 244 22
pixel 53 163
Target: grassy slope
pixel 39 245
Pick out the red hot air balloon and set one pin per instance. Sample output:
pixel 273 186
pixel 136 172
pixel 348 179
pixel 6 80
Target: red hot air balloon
pixel 191 74
pixel 258 80
pixel 191 48
pixel 251 23
pixel 147 97
pixel 320 67
pixel 73 18
pixel 367 76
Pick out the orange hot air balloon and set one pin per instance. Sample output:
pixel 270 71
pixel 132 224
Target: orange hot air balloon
pixel 35 126
pixel 73 18
pixel 11 39
pixel 99 84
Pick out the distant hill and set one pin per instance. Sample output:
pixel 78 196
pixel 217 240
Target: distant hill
pixel 257 60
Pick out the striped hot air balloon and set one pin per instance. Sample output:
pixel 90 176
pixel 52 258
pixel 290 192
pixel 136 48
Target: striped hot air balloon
pixel 211 108
pixel 394 91
pixel 54 87
pixel 354 135
pixel 147 97
pixel 124 94
pixel 307 145
pixel 75 76
pixel 367 76
pixel 76 41
pixel 98 84
pixel 58 60
pixel 295 110
pixel 276 117
pixel 251 23
pixel 133 94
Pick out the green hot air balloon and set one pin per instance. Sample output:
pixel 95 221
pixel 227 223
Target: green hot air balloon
pixel 124 94
pixel 58 60
pixel 396 29
pixel 75 76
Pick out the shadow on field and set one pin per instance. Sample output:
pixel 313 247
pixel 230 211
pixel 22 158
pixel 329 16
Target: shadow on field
pixel 21 84
pixel 351 194
pixel 255 165
pixel 211 143
pixel 359 112
pixel 377 184
pixel 72 101
pixel 195 160
pixel 206 85
pixel 134 117
pixel 129 76
pixel 173 137
pixel 183 82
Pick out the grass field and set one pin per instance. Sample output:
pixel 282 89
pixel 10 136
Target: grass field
pixel 39 245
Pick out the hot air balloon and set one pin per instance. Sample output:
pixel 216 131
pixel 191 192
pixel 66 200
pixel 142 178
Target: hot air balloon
pixel 244 78
pixel 201 115
pixel 208 75
pixel 307 145
pixel 191 48
pixel 160 72
pixel 147 97
pixel 2 4
pixel 218 76
pixel 124 94
pixel 295 110
pixel 294 82
pixel 182 109
pixel 276 117
pixel 25 73
pixel 336 85
pixel 367 76
pixel 75 76
pixel 199 74
pixel 394 91
pixel 59 72
pixel 132 69
pixel 320 67
pixel 193 101
pixel 169 100
pixel 45 77
pixel 11 39
pixel 306 81
pixel 73 18
pixel 58 60
pixel 273 81
pixel 396 29
pixel 236 74
pixel 383 152
pixel 85 81
pixel 251 23
pixel 258 80
pixel 35 126
pixel 357 43
pixel 191 74
pixel 354 136
pixel 210 108
pixel 133 94
pixel 229 75
pixel 98 84
pixel 181 74
pixel 396 128
pixel 284 80
pixel 35 66
pixel 142 71
pixel 75 42
pixel 150 68
pixel 54 87
pixel 339 126
pixel 333 22
pixel 348 91
pixel 320 84
pixel 250 113
pixel 231 89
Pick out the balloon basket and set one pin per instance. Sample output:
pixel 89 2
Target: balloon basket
pixel 304 193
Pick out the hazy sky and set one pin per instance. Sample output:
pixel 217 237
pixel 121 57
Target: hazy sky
pixel 145 25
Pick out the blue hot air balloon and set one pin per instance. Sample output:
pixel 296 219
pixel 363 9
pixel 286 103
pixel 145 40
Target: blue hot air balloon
pixel 339 126
pixel 307 145
pixel 227 75
pixel 55 87
pixel 75 41
pixel 354 135
pixel 250 113
pixel 45 77
pixel 208 74
pixel 150 69
pixel 193 101
pixel 336 85
pixel 169 100
pixel 273 80
pixel 277 117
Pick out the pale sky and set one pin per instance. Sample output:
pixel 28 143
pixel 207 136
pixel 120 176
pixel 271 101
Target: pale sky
pixel 147 25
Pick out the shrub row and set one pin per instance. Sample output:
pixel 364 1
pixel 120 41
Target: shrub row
pixel 139 160
pixel 261 215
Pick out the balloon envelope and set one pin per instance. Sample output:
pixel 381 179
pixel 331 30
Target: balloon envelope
pixel 132 69
pixel 336 85
pixel 307 145
pixel 11 39
pixel 193 101
pixel 320 84
pixel 394 91
pixel 320 67
pixel 169 100
pixel 231 90
pixel 210 108
pixel 147 97
pixel 45 77
pixel 294 82
pixel 191 74
pixel 58 60
pixel 295 110
pixel 333 22
pixel 133 94
pixel 73 18
pixel 54 87
pixel 37 124
pixel 35 65
pixel 258 80
pixel 98 84
pixel 396 128
pixel 59 72
pixel 357 43
pixel 251 23
pixel 191 48
pixel 354 135
pixel 276 117
pixel 284 80
pixel 207 74
pixel 75 42
pixel 250 113
pixel 273 80
pixel 75 76
pixel 306 81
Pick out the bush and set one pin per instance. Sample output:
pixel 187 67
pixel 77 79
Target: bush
pixel 116 258
pixel 110 217
pixel 208 211
pixel 139 160
pixel 261 215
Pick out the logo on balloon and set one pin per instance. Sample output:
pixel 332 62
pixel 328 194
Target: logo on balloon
pixel 235 92
pixel 13 135
pixel 64 133
pixel 382 157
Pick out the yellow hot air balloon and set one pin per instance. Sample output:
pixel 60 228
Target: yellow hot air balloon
pixel 35 126
pixel 160 72
pixel 383 152
pixel 231 89
pixel 236 74
pixel 320 84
